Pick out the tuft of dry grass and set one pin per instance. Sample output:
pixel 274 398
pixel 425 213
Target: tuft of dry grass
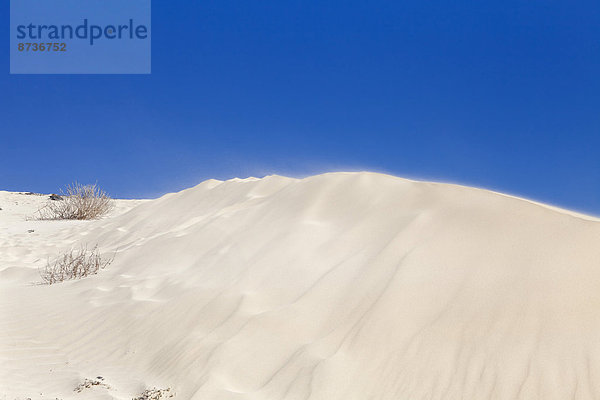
pixel 78 202
pixel 74 264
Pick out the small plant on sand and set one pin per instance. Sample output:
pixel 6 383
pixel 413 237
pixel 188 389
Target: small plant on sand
pixel 89 383
pixel 74 264
pixel 155 394
pixel 78 201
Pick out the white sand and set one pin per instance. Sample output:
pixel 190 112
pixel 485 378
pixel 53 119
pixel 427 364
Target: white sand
pixel 339 286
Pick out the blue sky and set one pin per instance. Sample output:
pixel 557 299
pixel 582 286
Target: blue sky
pixel 502 95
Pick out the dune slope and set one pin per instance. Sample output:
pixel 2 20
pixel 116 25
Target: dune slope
pixel 338 286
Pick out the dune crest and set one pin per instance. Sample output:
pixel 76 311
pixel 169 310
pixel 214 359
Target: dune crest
pixel 337 286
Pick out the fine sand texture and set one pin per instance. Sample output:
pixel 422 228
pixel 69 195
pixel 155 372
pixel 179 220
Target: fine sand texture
pixel 342 286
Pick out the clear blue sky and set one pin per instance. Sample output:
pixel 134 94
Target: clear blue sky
pixel 498 94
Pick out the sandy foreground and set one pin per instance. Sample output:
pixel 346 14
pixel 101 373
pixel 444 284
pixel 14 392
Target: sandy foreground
pixel 338 286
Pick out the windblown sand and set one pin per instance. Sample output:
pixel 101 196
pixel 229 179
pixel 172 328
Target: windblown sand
pixel 335 287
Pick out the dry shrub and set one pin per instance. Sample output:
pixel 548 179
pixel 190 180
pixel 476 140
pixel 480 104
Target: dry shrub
pixel 78 202
pixel 74 264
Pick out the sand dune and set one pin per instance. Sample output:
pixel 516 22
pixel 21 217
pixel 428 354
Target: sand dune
pixel 338 286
